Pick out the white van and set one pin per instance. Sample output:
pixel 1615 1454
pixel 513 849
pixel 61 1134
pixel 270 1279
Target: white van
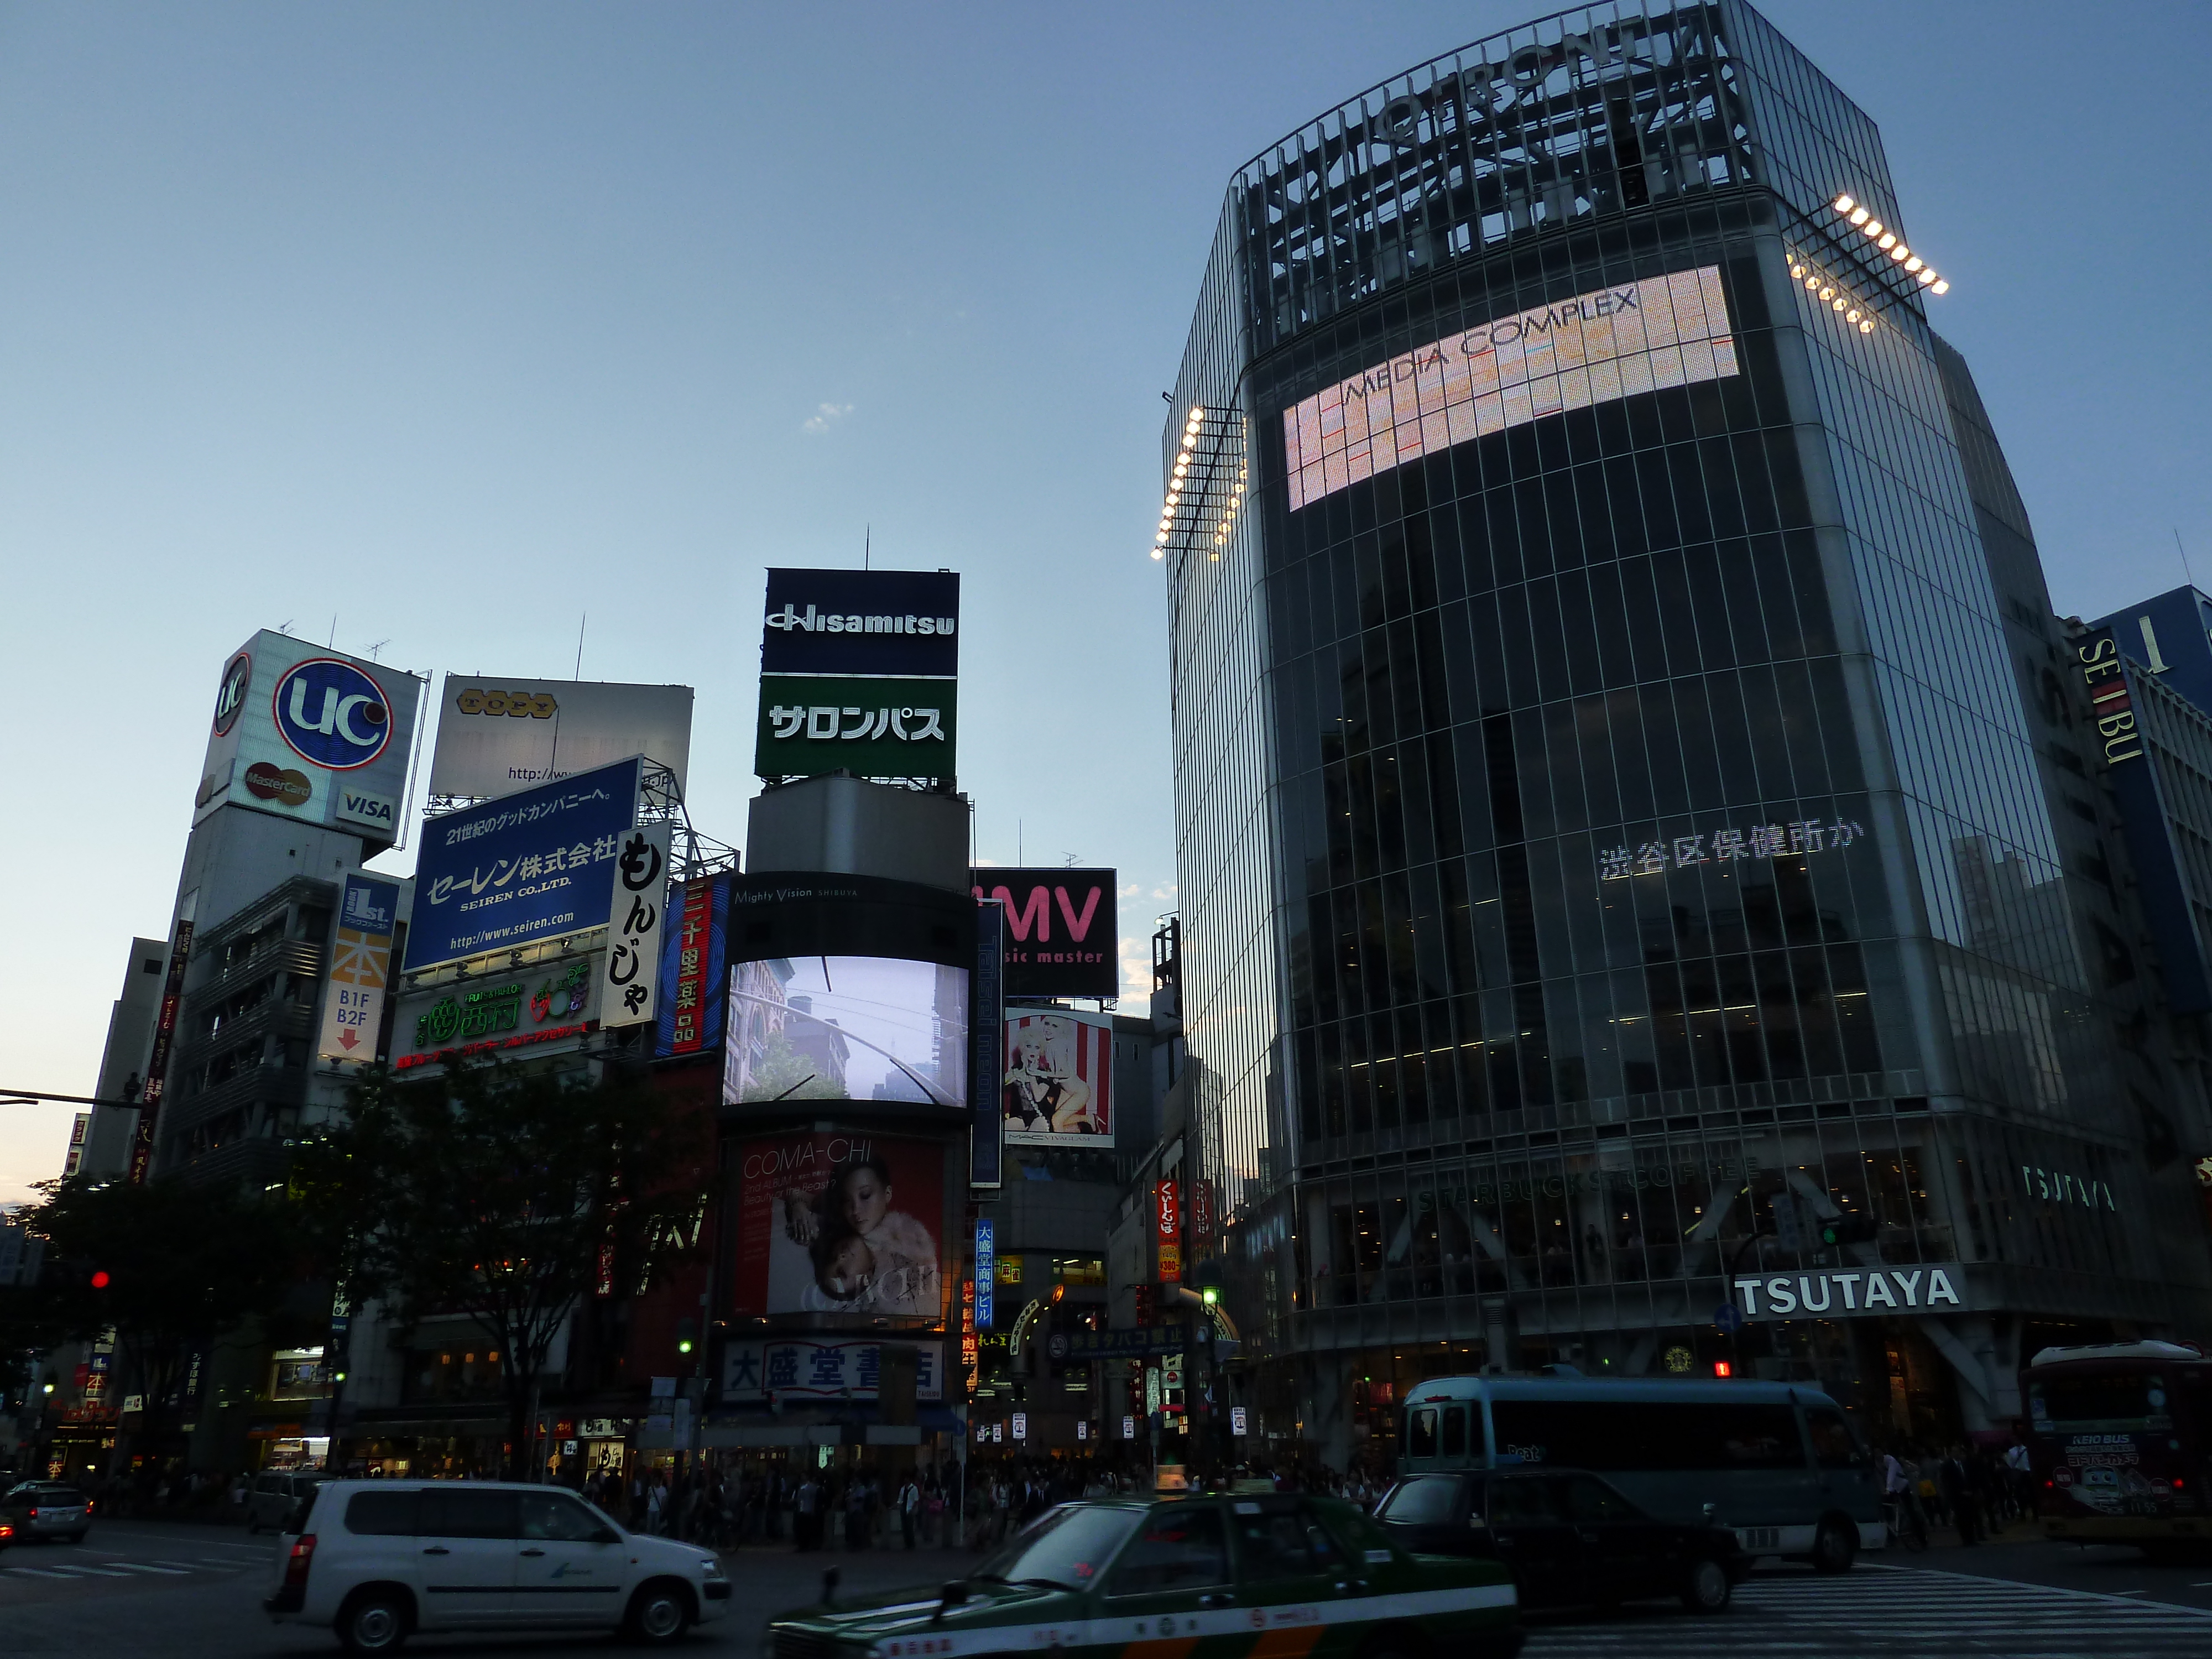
pixel 376 1560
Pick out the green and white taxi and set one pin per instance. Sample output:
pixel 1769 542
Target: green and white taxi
pixel 1236 1576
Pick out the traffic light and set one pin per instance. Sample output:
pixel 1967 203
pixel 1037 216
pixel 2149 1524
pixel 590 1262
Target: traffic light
pixel 98 1281
pixel 1722 1368
pixel 687 1335
pixel 1848 1230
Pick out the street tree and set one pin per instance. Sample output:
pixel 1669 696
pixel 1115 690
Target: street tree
pixel 168 1268
pixel 506 1195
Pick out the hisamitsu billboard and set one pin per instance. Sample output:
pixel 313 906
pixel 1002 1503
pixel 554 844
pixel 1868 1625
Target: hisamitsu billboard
pixel 899 623
pixel 532 866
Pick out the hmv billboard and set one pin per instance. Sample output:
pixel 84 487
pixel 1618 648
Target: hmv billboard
pixel 1063 935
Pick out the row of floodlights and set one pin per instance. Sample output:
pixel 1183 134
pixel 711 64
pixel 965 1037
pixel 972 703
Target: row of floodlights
pixel 1817 284
pixel 1888 242
pixel 1180 476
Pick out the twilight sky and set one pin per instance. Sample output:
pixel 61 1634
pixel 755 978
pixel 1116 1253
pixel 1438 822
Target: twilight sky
pixel 440 326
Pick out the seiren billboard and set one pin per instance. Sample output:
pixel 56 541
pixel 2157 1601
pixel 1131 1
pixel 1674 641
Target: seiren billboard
pixel 304 732
pixel 497 734
pixel 532 866
pixel 1063 930
pixel 858 673
pixel 1059 1087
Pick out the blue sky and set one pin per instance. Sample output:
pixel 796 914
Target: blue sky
pixel 455 323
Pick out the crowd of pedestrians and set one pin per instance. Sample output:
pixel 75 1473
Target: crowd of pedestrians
pixel 1972 1490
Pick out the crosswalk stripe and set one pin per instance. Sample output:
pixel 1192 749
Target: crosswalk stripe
pixel 97 1572
pixel 148 1566
pixel 40 1572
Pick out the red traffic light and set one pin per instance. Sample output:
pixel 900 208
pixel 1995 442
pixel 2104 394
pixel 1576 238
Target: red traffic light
pixel 1722 1368
pixel 100 1278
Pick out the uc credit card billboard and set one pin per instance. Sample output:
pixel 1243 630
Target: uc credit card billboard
pixel 300 732
pixel 532 866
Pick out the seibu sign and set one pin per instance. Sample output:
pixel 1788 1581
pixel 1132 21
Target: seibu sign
pixel 1853 1292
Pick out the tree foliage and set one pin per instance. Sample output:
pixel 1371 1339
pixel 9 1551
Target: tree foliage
pixel 183 1264
pixel 506 1195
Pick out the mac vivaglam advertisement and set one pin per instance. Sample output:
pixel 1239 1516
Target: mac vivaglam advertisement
pixel 1059 1082
pixel 839 1222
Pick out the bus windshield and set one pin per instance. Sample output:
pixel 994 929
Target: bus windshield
pixel 2135 1399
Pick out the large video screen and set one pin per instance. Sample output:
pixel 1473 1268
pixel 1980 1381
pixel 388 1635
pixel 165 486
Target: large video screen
pixel 839 1221
pixel 883 1029
pixel 1611 343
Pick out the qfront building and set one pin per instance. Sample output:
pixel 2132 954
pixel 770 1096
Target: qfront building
pixel 1651 897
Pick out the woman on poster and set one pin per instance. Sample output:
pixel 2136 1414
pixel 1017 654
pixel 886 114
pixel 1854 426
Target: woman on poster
pixel 1043 1093
pixel 872 1257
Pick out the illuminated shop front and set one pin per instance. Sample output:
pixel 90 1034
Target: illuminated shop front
pixel 1617 853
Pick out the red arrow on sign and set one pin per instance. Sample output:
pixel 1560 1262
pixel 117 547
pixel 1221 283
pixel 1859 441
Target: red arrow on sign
pixel 347 1037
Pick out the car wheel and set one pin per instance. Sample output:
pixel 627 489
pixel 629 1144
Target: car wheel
pixel 1707 1589
pixel 77 1537
pixel 252 1528
pixel 659 1612
pixel 374 1621
pixel 1834 1547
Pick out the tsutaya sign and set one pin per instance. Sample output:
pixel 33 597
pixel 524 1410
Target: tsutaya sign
pixel 1853 1292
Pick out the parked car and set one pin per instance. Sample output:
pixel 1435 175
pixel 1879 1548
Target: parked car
pixel 377 1560
pixel 1263 1573
pixel 46 1508
pixel 275 1493
pixel 1568 1536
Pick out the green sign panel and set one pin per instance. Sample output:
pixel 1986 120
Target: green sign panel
pixel 871 726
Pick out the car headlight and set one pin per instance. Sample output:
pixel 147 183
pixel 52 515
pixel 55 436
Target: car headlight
pixel 712 1565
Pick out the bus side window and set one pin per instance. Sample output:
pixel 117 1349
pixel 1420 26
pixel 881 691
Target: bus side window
pixel 1421 1431
pixel 1833 1448
pixel 1455 1431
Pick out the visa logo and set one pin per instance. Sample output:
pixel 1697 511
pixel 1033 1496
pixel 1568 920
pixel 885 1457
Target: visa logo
pixel 368 809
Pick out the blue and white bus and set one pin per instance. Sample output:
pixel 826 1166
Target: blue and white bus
pixel 1777 1462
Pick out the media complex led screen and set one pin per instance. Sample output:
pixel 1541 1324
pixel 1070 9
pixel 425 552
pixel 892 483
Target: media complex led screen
pixel 1613 341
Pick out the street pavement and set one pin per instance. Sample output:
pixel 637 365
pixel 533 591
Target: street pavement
pixel 169 1591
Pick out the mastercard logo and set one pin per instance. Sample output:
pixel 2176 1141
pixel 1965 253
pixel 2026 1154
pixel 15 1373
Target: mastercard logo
pixel 515 705
pixel 282 785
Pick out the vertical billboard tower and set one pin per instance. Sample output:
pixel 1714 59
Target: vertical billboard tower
pixel 859 673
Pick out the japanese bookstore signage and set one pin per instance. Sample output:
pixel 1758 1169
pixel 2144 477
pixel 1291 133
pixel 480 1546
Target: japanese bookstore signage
pixel 532 865
pixel 361 968
pixel 804 1368
pixel 859 673
pixel 1063 930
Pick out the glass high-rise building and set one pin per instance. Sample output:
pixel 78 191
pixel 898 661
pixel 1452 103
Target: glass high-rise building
pixel 1640 844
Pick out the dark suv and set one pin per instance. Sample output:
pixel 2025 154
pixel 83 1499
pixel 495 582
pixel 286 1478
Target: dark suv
pixel 1568 1536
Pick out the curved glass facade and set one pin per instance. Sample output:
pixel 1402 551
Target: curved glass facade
pixel 1614 858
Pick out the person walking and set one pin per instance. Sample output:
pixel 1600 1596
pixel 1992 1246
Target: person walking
pixel 803 1506
pixel 1959 1497
pixel 909 1507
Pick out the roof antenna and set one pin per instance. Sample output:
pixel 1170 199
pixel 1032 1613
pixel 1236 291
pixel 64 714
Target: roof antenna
pixel 867 541
pixel 581 620
pixel 2183 551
